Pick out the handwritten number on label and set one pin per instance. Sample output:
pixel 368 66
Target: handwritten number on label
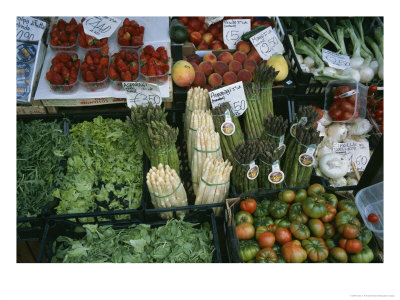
pixel 97 26
pixel 232 35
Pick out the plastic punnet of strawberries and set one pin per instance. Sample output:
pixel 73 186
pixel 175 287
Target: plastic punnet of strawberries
pixel 130 34
pixel 88 41
pixel 95 69
pixel 64 34
pixel 154 64
pixel 124 67
pixel 63 72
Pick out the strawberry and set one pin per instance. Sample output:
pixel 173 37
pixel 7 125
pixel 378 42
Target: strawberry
pixel 156 55
pixel 128 76
pixel 90 77
pixel 104 50
pixel 122 53
pixel 152 71
pixel 58 68
pixel 49 76
pixel 127 36
pixel 72 38
pixel 126 22
pixel 112 73
pixel 73 22
pixel 159 71
pixel 94 54
pixel 104 61
pixel 89 60
pixel 129 57
pixel 84 66
pixel 164 57
pixel 69 64
pixel 161 49
pixel 65 73
pixel 92 68
pixel 122 67
pixel 57 79
pixel 145 69
pixel 98 74
pixel 120 32
pixel 96 61
pixel 134 67
pixel 149 49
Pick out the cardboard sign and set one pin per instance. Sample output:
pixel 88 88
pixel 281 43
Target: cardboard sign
pixel 100 27
pixel 141 93
pixel 30 29
pixel 356 152
pixel 212 20
pixel 335 60
pixel 233 30
pixel 267 43
pixel 233 94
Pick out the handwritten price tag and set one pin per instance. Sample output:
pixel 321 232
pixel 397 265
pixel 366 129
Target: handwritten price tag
pixel 233 30
pixel 267 43
pixel 233 94
pixel 212 20
pixel 100 27
pixel 30 29
pixel 142 93
pixel 335 60
pixel 355 152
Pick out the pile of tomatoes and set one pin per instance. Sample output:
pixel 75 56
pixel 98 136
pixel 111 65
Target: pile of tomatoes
pixel 344 108
pixel 307 226
pixel 375 105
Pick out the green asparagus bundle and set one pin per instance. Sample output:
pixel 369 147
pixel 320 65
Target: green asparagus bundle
pixel 141 116
pixel 268 158
pixel 300 149
pixel 274 129
pixel 199 118
pixel 166 189
pixel 244 173
pixel 214 184
pixel 254 114
pixel 228 142
pixel 265 75
pixel 162 142
pixel 207 145
pixel 197 98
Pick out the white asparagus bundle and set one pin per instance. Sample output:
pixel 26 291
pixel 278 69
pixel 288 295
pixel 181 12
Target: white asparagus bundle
pixel 197 98
pixel 207 144
pixel 214 183
pixel 199 118
pixel 166 189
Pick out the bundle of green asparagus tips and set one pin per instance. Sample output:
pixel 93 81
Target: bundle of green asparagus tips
pixel 141 116
pixel 166 189
pixel 200 118
pixel 214 183
pixel 254 114
pixel 228 142
pixel 207 145
pixel 274 129
pixel 245 170
pixel 268 160
pixel 299 159
pixel 162 142
pixel 265 75
pixel 197 98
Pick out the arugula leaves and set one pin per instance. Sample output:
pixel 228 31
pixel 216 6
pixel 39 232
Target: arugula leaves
pixel 104 168
pixel 176 242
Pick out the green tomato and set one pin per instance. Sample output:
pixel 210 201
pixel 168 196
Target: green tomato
pixel 284 222
pixel 301 195
pixel 278 209
pixel 331 199
pixel 317 228
pixel 266 255
pixel 248 250
pixel 262 221
pixel 300 231
pixel 349 206
pixel 364 235
pixel 296 213
pixel 314 208
pixel 365 256
pixel 243 217
pixel 338 255
pixel 262 208
pixel 330 243
pixel 316 249
pixel 329 231
pixel 343 218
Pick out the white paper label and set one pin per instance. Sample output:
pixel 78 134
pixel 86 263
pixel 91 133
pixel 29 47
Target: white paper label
pixel 141 93
pixel 233 30
pixel 281 140
pixel 267 43
pixel 228 127
pixel 233 94
pixel 276 176
pixel 212 20
pixel 307 159
pixel 357 152
pixel 30 29
pixel 100 27
pixel 252 173
pixel 335 60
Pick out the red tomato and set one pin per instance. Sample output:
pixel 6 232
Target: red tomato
pixel 266 239
pixel 335 113
pixel 342 243
pixel 248 205
pixel 381 104
pixel 283 235
pixel 372 88
pixel 353 246
pixel 379 119
pixel 373 218
pixel 245 231
pixel 346 116
pixel 346 106
pixel 379 112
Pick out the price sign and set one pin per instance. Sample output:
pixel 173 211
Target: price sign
pixel 233 30
pixel 267 43
pixel 233 94
pixel 357 152
pixel 142 93
pixel 335 60
pixel 100 27
pixel 30 29
pixel 212 20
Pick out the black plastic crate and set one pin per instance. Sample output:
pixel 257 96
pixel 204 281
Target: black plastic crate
pixel 232 241
pixel 120 216
pixel 55 228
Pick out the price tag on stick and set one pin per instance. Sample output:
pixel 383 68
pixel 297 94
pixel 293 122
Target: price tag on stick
pixel 233 94
pixel 142 93
pixel 233 30
pixel 100 27
pixel 30 29
pixel 357 152
pixel 267 43
pixel 335 60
